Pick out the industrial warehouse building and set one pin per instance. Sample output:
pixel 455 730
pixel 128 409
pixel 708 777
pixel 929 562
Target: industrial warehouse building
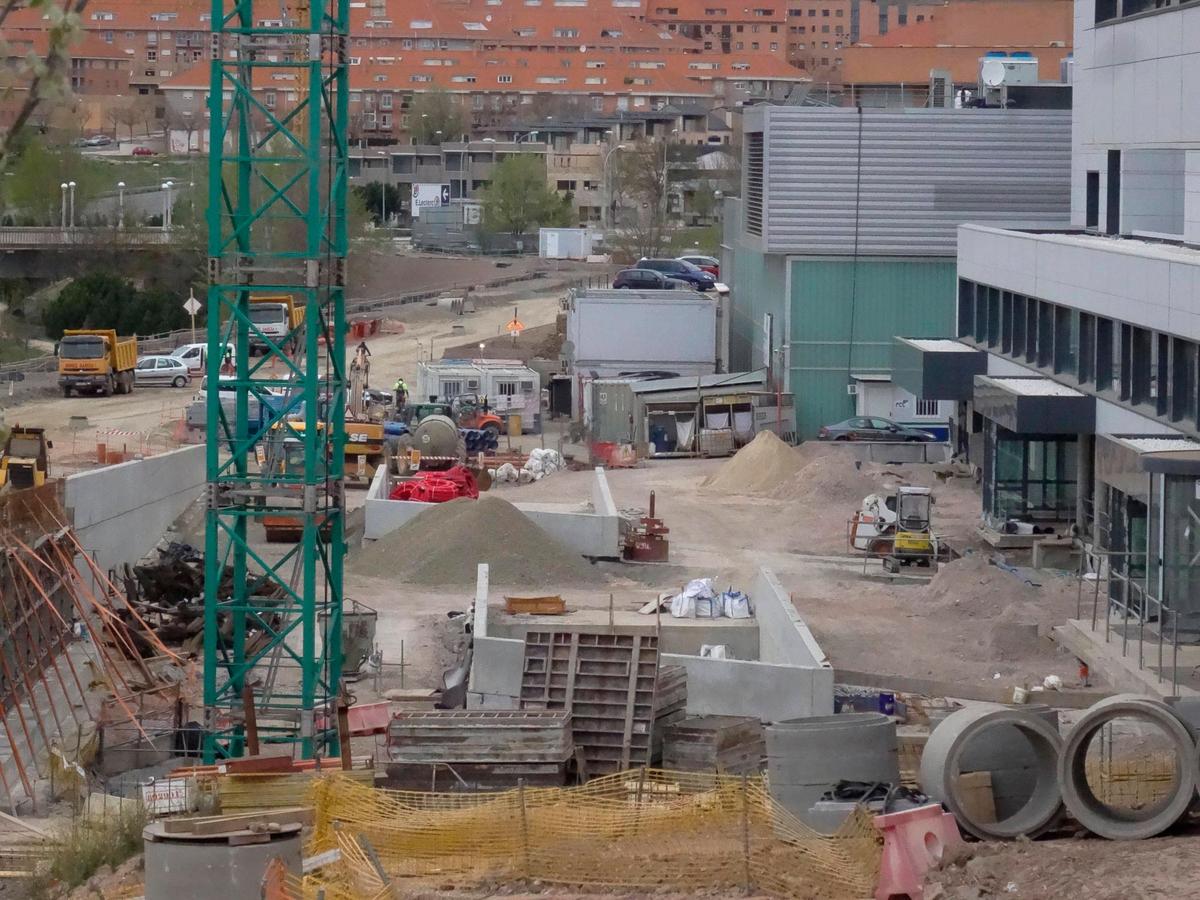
pixel 845 237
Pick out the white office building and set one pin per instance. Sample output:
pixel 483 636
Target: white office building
pixel 1076 379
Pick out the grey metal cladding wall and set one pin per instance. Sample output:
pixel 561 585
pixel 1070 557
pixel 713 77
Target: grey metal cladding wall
pixel 924 172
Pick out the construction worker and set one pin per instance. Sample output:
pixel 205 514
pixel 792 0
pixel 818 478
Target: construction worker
pixel 401 391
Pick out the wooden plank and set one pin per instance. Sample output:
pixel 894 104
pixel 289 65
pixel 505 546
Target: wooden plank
pixel 298 815
pixel 549 605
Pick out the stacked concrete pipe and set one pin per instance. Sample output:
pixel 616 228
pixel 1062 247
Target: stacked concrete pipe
pixel 1098 817
pixel 1020 746
pixel 807 757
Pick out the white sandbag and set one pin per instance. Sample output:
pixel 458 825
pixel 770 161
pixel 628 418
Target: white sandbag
pixel 735 605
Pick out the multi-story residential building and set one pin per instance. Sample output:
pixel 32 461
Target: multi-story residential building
pixel 894 68
pixel 844 236
pixel 96 70
pixel 1084 407
pixel 720 26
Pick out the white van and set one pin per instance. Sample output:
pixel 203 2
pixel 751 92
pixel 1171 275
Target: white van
pixel 195 356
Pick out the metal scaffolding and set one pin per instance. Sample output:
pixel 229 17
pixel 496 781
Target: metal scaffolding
pixel 276 226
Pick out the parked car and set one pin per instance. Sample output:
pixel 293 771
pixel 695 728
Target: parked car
pixel 96 140
pixel 648 280
pixel 684 271
pixel 162 370
pixel 709 264
pixel 142 151
pixel 195 356
pixel 864 428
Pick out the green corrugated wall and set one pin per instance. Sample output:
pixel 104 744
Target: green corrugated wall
pixel 913 298
pixel 758 288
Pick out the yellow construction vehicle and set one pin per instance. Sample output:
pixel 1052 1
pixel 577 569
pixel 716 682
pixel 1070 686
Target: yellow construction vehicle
pixel 896 527
pixel 25 462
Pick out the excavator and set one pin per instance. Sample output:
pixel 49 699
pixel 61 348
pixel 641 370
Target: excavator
pixel 896 527
pixel 24 462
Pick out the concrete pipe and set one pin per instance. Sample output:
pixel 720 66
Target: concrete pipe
pixel 1028 801
pixel 807 757
pixel 1132 824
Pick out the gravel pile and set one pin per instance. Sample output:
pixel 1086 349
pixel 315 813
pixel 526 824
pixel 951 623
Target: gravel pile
pixel 445 543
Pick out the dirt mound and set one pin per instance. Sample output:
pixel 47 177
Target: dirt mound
pixel 759 467
pixel 445 543
pixel 831 478
pixel 973 581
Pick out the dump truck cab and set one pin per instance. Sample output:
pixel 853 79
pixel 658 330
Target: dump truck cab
pixel 24 462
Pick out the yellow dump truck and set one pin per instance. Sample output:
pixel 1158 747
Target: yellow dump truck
pixel 275 316
pixel 24 462
pixel 96 360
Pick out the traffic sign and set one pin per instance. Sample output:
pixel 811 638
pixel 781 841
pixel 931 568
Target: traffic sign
pixel 191 306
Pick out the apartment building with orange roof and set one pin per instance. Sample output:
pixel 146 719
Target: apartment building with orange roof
pixel 894 68
pixel 758 27
pixel 96 70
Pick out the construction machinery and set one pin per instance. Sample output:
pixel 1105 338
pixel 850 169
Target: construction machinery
pixel 364 423
pixel 467 411
pixel 896 527
pixel 96 360
pixel 24 462
pixel 276 318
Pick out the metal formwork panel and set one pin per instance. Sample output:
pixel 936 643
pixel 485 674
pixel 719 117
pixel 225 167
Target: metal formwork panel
pixel 606 681
pixel 276 226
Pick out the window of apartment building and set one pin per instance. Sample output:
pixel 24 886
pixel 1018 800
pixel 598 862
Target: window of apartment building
pixel 754 29
pixel 740 29
pixel 1093 200
pixel 839 13
pixel 825 13
pixel 774 46
pixel 1066 339
pixel 825 46
pixel 812 13
pixel 1085 369
pixel 598 103
pixel 151 55
pixel 754 45
pixel 920 18
pixel 269 99
pixel 107 37
pixel 1104 354
pixel 504 79
pixel 1113 217
pixel 739 46
pixel 774 29
pixel 565 185
pixel 838 29
pixel 824 29
pixel 385 101
pixel 1183 380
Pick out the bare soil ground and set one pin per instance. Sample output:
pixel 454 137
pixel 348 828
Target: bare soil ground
pixel 863 619
pixel 415 331
pixel 1072 869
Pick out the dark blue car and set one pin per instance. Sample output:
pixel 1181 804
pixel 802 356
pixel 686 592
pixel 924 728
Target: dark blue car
pixel 678 269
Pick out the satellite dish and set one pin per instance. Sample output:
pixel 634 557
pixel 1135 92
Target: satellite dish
pixel 991 73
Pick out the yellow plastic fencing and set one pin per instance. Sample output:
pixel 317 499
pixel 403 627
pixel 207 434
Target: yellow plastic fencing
pixel 647 829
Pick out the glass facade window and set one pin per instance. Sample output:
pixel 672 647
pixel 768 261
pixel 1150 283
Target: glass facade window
pixel 1155 372
pixel 1029 476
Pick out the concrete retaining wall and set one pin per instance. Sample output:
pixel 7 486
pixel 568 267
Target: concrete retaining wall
pixel 120 512
pixel 496 663
pixel 595 533
pixel 734 687
pixel 783 636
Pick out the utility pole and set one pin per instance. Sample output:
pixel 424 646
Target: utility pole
pixel 262 169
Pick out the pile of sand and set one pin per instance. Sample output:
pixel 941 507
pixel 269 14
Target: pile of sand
pixel 445 543
pixel 759 467
pixel 831 478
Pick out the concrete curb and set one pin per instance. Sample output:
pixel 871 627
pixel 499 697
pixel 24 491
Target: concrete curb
pixel 1101 819
pixel 942 762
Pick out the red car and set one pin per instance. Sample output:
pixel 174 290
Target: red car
pixel 709 264
pixel 142 151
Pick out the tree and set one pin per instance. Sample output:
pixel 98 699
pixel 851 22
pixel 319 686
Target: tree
pixel 640 200
pixel 379 198
pixel 34 192
pixel 105 300
pixel 47 79
pixel 436 116
pixel 518 199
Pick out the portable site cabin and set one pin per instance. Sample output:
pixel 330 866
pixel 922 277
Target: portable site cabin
pixel 510 388
pixel 706 415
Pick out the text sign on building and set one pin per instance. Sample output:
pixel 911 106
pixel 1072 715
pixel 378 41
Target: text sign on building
pixel 426 196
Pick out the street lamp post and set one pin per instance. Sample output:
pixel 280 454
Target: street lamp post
pixel 606 218
pixel 71 185
pixel 63 214
pixel 120 204
pixel 166 217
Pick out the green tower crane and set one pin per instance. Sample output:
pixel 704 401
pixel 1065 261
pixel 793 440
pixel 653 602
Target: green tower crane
pixel 276 230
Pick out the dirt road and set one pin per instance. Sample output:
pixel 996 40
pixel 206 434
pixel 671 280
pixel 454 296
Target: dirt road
pixel 150 415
